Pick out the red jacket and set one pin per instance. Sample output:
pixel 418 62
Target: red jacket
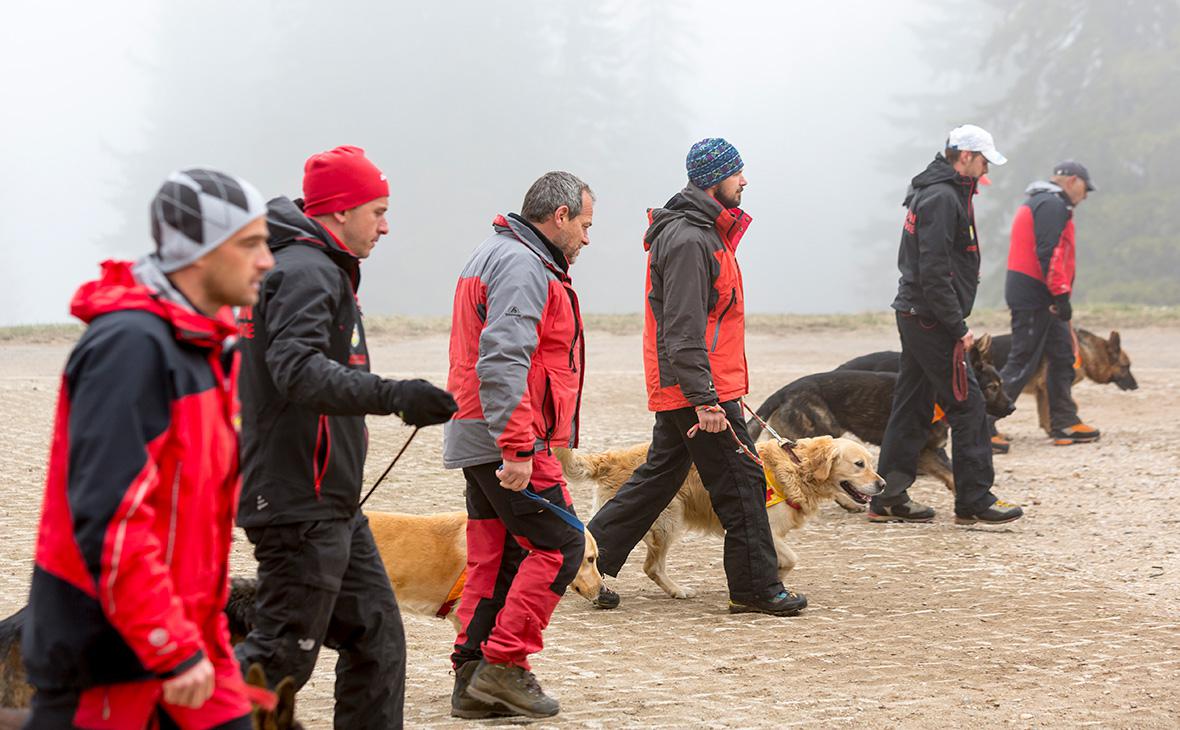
pixel 1041 252
pixel 694 329
pixel 132 552
pixel 516 350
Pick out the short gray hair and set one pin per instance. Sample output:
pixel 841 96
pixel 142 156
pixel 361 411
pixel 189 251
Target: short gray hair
pixel 551 191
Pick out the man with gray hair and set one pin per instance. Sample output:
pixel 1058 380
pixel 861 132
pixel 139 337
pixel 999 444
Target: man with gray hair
pixel 516 372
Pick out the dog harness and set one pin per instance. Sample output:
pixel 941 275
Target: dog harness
pixel 453 596
pixel 774 493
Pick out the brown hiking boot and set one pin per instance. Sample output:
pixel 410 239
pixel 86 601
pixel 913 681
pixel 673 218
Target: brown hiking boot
pixel 467 707
pixel 513 687
pixel 1079 433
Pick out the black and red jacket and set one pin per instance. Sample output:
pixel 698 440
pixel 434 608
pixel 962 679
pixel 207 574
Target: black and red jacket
pixel 939 252
pixel 694 329
pixel 133 546
pixel 305 380
pixel 1041 251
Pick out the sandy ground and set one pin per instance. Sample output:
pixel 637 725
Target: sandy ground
pixel 1068 617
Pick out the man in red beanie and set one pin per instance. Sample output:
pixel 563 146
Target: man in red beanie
pixel 306 389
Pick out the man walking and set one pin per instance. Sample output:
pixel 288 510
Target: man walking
pixel 126 627
pixel 306 388
pixel 516 370
pixel 694 356
pixel 1038 288
pixel 939 263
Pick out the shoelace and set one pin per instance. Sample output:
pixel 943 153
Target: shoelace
pixel 531 684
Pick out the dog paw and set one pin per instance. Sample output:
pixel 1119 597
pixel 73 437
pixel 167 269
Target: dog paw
pixel 684 593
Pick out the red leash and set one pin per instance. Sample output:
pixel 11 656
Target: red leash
pixel 260 696
pixel 786 444
pixel 729 427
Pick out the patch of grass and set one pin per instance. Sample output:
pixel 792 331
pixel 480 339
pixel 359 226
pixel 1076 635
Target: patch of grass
pixel 40 333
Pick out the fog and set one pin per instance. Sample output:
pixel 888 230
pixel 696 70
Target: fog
pixel 463 105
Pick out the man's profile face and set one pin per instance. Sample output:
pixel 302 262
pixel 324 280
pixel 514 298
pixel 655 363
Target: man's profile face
pixel 976 167
pixel 360 227
pixel 728 192
pixel 574 233
pixel 233 271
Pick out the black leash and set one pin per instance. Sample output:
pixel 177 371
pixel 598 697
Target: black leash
pixel 405 446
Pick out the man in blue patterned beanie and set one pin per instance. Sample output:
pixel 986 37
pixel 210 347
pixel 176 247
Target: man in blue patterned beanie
pixel 695 365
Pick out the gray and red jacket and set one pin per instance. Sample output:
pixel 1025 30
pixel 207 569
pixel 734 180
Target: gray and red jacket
pixel 132 553
pixel 1041 251
pixel 516 351
pixel 694 330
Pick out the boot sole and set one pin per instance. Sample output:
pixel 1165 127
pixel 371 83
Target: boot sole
pixel 977 521
pixel 895 518
pixel 493 700
pixel 1074 440
pixel 481 714
pixel 734 608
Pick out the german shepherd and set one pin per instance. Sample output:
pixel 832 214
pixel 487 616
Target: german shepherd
pixel 1102 361
pixel 828 467
pixel 859 401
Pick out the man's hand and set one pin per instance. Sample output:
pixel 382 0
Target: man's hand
pixel 192 687
pixel 1061 307
pixel 711 418
pixel 968 340
pixel 421 404
pixel 515 475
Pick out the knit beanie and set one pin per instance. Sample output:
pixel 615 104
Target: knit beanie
pixel 712 160
pixel 341 179
pixel 196 211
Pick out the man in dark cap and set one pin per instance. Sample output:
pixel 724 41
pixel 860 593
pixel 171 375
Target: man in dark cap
pixel 1038 289
pixel 694 356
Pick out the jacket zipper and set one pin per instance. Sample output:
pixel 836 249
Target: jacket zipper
pixel 717 327
pixel 577 328
pixel 549 428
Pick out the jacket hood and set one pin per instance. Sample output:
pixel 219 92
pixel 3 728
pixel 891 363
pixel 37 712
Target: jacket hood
pixel 696 207
pixel 1043 186
pixel 143 287
pixel 515 226
pixel 938 171
pixel 290 226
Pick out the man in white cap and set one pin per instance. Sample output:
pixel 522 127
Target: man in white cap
pixel 125 625
pixel 939 263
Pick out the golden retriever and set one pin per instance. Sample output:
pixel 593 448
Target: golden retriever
pixel 425 555
pixel 830 466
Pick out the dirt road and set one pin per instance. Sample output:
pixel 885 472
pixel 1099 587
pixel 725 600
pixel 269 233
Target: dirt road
pixel 1068 617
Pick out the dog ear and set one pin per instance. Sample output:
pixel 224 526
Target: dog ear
pixel 1114 344
pixel 982 349
pixel 255 676
pixel 285 710
pixel 824 455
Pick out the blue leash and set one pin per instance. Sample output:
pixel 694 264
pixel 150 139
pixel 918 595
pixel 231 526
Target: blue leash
pixel 565 515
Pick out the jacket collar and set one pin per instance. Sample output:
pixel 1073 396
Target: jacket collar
pixel 516 226
pixel 289 226
pixel 143 287
pixel 701 209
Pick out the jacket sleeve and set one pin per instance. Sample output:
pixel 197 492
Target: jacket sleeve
pixel 120 413
pixel 301 305
pixel 517 290
pixel 686 271
pixel 1049 221
pixel 936 235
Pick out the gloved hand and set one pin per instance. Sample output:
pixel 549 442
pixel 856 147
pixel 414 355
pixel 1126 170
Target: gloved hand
pixel 1061 307
pixel 419 403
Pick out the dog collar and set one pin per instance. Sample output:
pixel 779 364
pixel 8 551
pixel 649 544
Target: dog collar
pixel 774 493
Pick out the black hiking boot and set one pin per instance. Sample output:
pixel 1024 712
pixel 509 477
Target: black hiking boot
pixel 512 687
pixel 998 514
pixel 910 511
pixel 467 707
pixel 783 603
pixel 606 599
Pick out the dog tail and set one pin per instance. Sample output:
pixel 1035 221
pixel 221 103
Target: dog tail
pixel 576 465
pixel 765 411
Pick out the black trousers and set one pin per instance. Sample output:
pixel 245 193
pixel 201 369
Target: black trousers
pixel 520 559
pixel 925 375
pixel 323 584
pixel 736 486
pixel 1037 334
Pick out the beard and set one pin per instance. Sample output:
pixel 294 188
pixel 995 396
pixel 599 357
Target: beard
pixel 730 200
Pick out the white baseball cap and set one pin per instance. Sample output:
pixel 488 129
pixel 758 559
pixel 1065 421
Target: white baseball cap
pixel 971 138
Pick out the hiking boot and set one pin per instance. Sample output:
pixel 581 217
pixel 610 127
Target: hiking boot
pixel 1000 445
pixel 1079 433
pixel 512 687
pixel 467 707
pixel 606 598
pixel 910 511
pixel 783 603
pixel 998 514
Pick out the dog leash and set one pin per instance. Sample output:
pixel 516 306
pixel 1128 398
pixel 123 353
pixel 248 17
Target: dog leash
pixel 692 432
pixel 959 372
pixel 405 446
pixel 786 444
pixel 260 696
pixel 565 515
